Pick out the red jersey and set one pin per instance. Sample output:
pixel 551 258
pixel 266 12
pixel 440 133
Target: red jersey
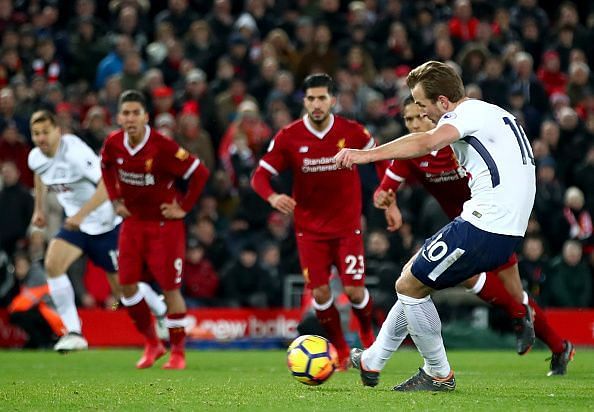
pixel 440 174
pixel 328 199
pixel 143 176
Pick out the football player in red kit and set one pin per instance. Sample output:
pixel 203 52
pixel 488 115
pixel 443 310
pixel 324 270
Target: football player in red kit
pixel 441 175
pixel 140 167
pixel 326 203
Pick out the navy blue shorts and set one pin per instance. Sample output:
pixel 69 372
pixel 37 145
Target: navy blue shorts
pixel 101 249
pixel 459 251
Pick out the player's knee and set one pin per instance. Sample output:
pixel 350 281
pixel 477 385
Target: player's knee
pixel 52 266
pixel 322 294
pixel 403 285
pixel 356 294
pixel 129 290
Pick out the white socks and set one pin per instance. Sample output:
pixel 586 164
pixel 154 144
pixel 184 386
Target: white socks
pixel 154 302
pixel 389 338
pixel 62 295
pixel 424 327
pixel 419 318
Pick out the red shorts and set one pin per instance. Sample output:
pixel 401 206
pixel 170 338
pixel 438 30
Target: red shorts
pixel 154 247
pixel 317 256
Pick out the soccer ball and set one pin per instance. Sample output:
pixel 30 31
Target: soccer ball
pixel 311 359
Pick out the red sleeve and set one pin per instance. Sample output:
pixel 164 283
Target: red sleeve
pixel 177 160
pixel 196 183
pixel 395 175
pixel 109 175
pixel 261 183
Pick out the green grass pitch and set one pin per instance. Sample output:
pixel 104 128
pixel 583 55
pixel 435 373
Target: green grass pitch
pixel 106 380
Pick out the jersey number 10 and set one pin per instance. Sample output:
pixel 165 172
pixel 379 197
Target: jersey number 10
pixel 521 139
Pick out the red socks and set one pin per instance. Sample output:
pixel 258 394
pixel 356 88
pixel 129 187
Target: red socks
pixel 364 316
pixel 544 331
pixel 494 292
pixel 177 333
pixel 330 321
pixel 143 320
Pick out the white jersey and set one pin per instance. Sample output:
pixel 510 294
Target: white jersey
pixel 495 151
pixel 73 173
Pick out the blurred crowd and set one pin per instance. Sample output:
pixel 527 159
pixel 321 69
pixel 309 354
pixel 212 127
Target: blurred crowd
pixel 222 77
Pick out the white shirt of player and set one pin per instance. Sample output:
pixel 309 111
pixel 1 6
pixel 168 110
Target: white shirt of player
pixel 495 151
pixel 73 173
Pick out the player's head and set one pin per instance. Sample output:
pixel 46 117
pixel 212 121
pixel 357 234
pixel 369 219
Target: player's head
pixel 132 114
pixel 45 131
pixel 436 88
pixel 318 98
pixel 414 118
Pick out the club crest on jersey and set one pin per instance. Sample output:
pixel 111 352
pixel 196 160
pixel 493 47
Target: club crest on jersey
pixel 303 149
pixel 148 165
pixel 341 144
pixel 182 154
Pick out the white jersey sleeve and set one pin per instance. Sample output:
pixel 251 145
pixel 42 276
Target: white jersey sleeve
pixel 496 153
pixel 73 173
pixel 83 157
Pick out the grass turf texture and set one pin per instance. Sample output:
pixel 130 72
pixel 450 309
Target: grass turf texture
pixel 259 380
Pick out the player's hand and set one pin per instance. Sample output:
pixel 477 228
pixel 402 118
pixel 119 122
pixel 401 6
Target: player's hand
pixel 38 219
pixel 121 209
pixel 393 218
pixel 346 158
pixel 382 199
pixel 73 222
pixel 172 210
pixel 283 203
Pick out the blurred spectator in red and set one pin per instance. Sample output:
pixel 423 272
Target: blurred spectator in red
pixel 9 17
pixel 462 24
pixel 162 101
pixel 16 208
pixel 47 63
pixel 192 137
pixel 14 149
pixel 9 113
pixel 201 280
pixel 165 123
pixel 550 75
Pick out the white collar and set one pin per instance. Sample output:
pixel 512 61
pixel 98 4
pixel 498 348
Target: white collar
pixel 138 147
pixel 319 134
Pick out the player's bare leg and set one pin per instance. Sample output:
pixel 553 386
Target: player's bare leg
pixel 140 313
pixel 176 313
pixel 362 309
pixel 424 327
pixel 59 257
pixel 329 318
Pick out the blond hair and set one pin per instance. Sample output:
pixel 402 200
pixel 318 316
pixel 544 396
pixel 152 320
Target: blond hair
pixel 437 79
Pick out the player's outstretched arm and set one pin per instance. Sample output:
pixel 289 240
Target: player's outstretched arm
pixel 40 190
pixel 100 196
pixel 407 147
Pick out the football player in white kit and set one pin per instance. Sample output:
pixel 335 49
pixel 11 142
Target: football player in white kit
pixel 491 145
pixel 65 165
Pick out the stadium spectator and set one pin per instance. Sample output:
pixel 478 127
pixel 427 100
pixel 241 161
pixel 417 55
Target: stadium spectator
pixel 577 219
pixel 16 209
pixel 533 266
pixel 569 280
pixel 201 281
pixel 14 149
